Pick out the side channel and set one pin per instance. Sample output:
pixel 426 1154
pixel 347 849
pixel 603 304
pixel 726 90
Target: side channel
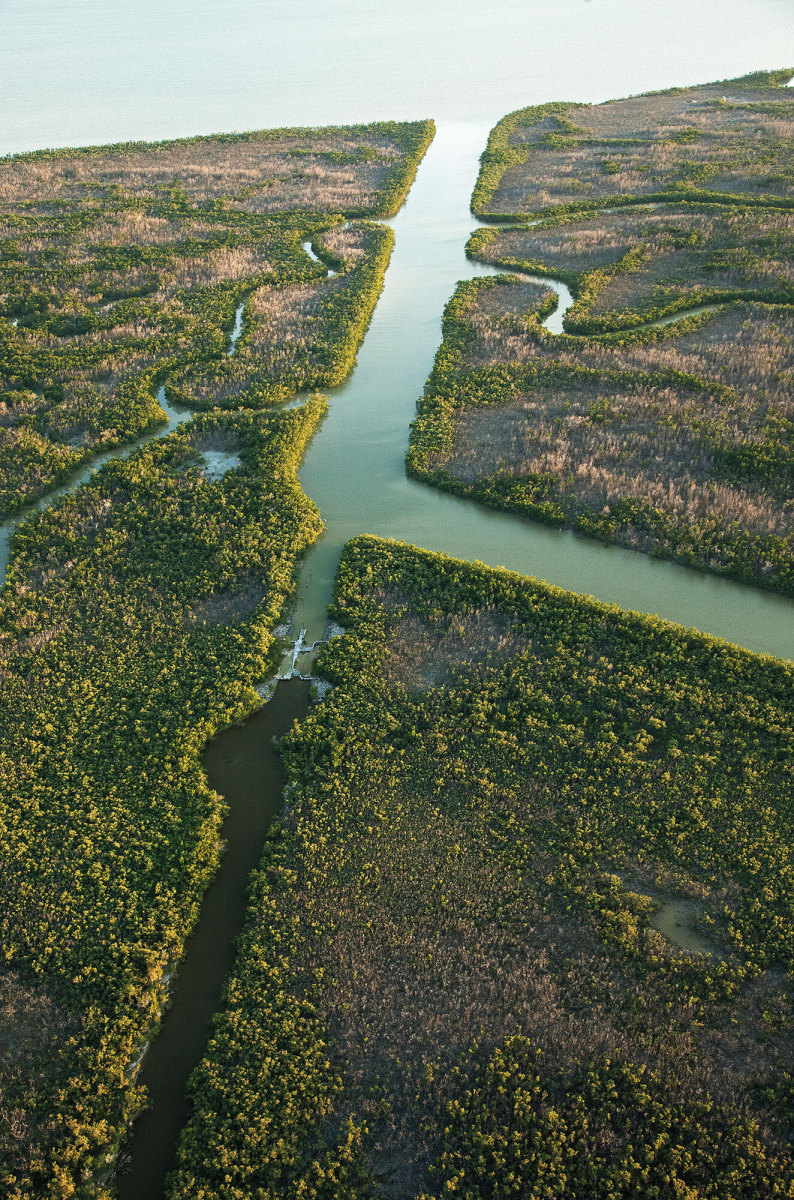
pixel 242 765
pixel 354 468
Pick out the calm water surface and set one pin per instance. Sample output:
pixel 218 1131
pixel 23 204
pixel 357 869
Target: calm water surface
pixel 354 469
pixel 92 71
pixel 242 765
pixel 89 71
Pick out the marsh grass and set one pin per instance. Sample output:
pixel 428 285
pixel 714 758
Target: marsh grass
pixel 603 444
pixel 271 172
pixel 673 440
pixel 632 266
pixel 299 335
pixel 730 139
pixel 123 265
pixel 492 751
pixel 34 1033
pixel 230 606
pixel 693 425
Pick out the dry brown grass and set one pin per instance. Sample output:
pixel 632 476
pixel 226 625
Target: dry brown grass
pixel 584 245
pixel 747 347
pixel 33 1031
pixel 647 447
pixel 419 656
pixel 274 174
pixel 84 278
pixel 285 330
pixel 226 440
pixel 228 607
pixel 684 251
pixel 732 140
pixel 650 442
pixel 225 265
pixel 437 942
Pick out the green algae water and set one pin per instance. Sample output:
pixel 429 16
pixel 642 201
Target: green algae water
pixel 676 919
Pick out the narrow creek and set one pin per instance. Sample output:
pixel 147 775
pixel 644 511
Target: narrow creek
pixel 242 765
pixel 354 468
pixel 174 414
pixel 237 329
pixel 354 471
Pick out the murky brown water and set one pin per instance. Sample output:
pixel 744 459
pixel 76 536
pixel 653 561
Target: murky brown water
pixel 242 765
pixel 354 470
pixel 84 73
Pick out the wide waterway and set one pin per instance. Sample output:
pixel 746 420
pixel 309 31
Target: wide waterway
pixel 354 470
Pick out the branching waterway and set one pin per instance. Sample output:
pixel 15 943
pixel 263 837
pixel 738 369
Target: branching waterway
pixel 354 471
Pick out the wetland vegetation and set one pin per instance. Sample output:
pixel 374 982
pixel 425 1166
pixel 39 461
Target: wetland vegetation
pixel 668 436
pixel 460 969
pixel 722 141
pixel 138 614
pixel 450 981
pixel 136 621
pixel 123 267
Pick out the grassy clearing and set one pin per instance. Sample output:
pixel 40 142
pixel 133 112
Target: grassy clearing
pixel 444 986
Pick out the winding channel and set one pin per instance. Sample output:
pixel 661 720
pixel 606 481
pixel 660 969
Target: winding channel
pixel 354 471
pixel 354 467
